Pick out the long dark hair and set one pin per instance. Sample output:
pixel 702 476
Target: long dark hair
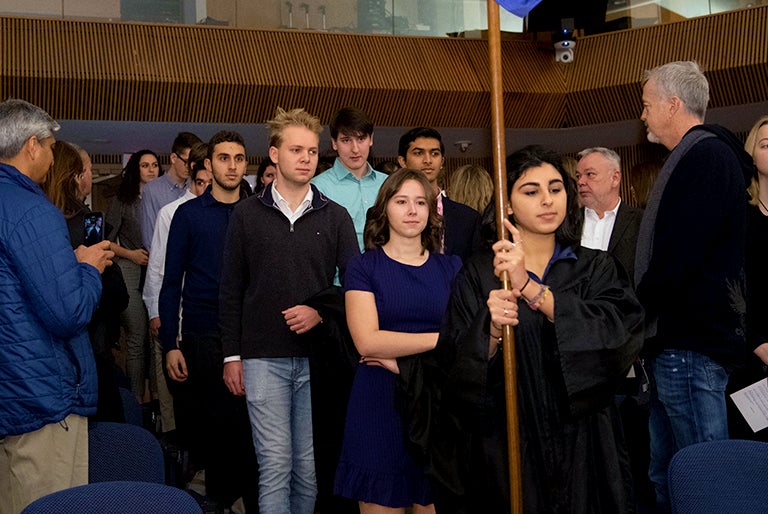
pixel 376 233
pixel 533 156
pixel 130 186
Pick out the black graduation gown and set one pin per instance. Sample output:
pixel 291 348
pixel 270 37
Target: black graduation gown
pixel 572 452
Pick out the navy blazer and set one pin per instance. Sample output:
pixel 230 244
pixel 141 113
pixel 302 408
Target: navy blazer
pixel 623 242
pixel 461 229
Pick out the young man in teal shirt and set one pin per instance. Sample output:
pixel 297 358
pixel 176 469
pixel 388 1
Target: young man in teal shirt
pixel 352 182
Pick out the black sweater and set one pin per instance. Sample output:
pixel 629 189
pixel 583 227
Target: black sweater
pixel 695 280
pixel 271 265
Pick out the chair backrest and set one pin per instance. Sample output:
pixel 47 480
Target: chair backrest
pixel 119 451
pixel 720 476
pixel 131 408
pixel 116 498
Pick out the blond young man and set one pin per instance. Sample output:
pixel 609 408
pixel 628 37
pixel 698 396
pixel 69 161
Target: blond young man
pixel 272 266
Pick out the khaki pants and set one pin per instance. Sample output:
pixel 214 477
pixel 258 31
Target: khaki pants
pixel 47 460
pixel 167 419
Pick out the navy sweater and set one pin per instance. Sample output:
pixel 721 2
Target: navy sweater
pixel 194 258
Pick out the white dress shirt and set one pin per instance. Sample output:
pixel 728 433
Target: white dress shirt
pixel 597 231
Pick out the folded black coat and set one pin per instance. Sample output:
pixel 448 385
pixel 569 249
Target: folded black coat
pixel 332 362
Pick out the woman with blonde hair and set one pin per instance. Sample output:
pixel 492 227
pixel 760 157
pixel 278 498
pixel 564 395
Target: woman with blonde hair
pixel 471 185
pixel 757 277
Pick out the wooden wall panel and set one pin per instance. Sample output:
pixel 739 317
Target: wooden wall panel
pixel 142 72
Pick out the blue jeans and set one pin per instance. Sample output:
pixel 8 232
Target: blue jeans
pixel 280 409
pixel 687 406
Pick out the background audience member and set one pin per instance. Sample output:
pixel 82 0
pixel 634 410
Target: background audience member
pixel 396 294
pixel 641 180
pixel 471 185
pixel 48 381
pixel 186 425
pixel 757 282
pixel 168 186
pixel 193 264
pixel 265 175
pixel 125 230
pixel 422 148
pixel 610 224
pixel 569 360
pixel 689 266
pixel 66 185
pixel 388 167
pixel 351 181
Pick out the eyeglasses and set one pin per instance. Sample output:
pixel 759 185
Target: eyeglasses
pixel 182 159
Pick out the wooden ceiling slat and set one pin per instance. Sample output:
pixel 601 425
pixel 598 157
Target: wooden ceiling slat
pixel 131 71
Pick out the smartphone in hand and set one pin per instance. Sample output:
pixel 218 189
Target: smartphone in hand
pixel 93 227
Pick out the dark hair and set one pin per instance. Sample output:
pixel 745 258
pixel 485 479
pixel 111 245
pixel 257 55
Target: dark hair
pixel 351 121
pixel 197 156
pixel 224 136
pixel 60 184
pixel 130 186
pixel 376 232
pixel 184 140
pixel 263 165
pixel 415 133
pixel 533 156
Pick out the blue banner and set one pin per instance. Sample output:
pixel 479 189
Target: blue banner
pixel 519 8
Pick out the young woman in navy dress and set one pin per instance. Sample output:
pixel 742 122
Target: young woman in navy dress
pixel 396 295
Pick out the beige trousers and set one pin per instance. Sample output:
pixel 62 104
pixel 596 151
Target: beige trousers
pixel 47 460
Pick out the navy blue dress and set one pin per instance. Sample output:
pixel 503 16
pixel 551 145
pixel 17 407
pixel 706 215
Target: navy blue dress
pixel 374 466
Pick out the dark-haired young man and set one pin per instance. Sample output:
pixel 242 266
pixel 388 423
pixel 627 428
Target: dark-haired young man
pixel 167 187
pixel 351 182
pixel 193 265
pixel 422 148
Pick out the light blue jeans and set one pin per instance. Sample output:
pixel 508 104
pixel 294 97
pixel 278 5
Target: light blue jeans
pixel 687 406
pixel 280 410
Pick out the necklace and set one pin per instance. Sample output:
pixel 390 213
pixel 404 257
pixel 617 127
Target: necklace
pixel 761 203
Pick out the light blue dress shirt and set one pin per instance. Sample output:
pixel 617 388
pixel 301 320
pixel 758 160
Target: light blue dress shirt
pixel 355 195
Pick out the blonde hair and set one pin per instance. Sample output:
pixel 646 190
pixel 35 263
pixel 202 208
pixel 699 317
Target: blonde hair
pixel 749 146
pixel 471 185
pixel 293 118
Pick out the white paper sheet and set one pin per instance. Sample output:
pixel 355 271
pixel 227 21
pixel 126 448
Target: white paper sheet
pixel 752 402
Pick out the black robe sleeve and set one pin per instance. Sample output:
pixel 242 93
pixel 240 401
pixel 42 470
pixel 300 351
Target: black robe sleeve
pixel 567 375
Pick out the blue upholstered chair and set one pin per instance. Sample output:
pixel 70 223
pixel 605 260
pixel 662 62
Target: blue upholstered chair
pixel 131 408
pixel 119 451
pixel 116 498
pixel 720 477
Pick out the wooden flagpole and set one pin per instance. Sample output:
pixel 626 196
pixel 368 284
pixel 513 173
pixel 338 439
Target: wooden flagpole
pixel 500 198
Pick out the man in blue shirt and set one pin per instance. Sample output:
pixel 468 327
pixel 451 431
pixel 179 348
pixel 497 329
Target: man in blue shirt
pixel 351 182
pixel 219 430
pixel 167 187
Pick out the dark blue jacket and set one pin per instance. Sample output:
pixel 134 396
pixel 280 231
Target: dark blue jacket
pixel 47 298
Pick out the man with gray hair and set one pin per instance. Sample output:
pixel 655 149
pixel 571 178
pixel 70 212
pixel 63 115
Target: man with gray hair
pixel 609 224
pixel 689 267
pixel 47 371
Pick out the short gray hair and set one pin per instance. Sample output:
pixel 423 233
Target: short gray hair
pixel 20 120
pixel 605 152
pixel 684 80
